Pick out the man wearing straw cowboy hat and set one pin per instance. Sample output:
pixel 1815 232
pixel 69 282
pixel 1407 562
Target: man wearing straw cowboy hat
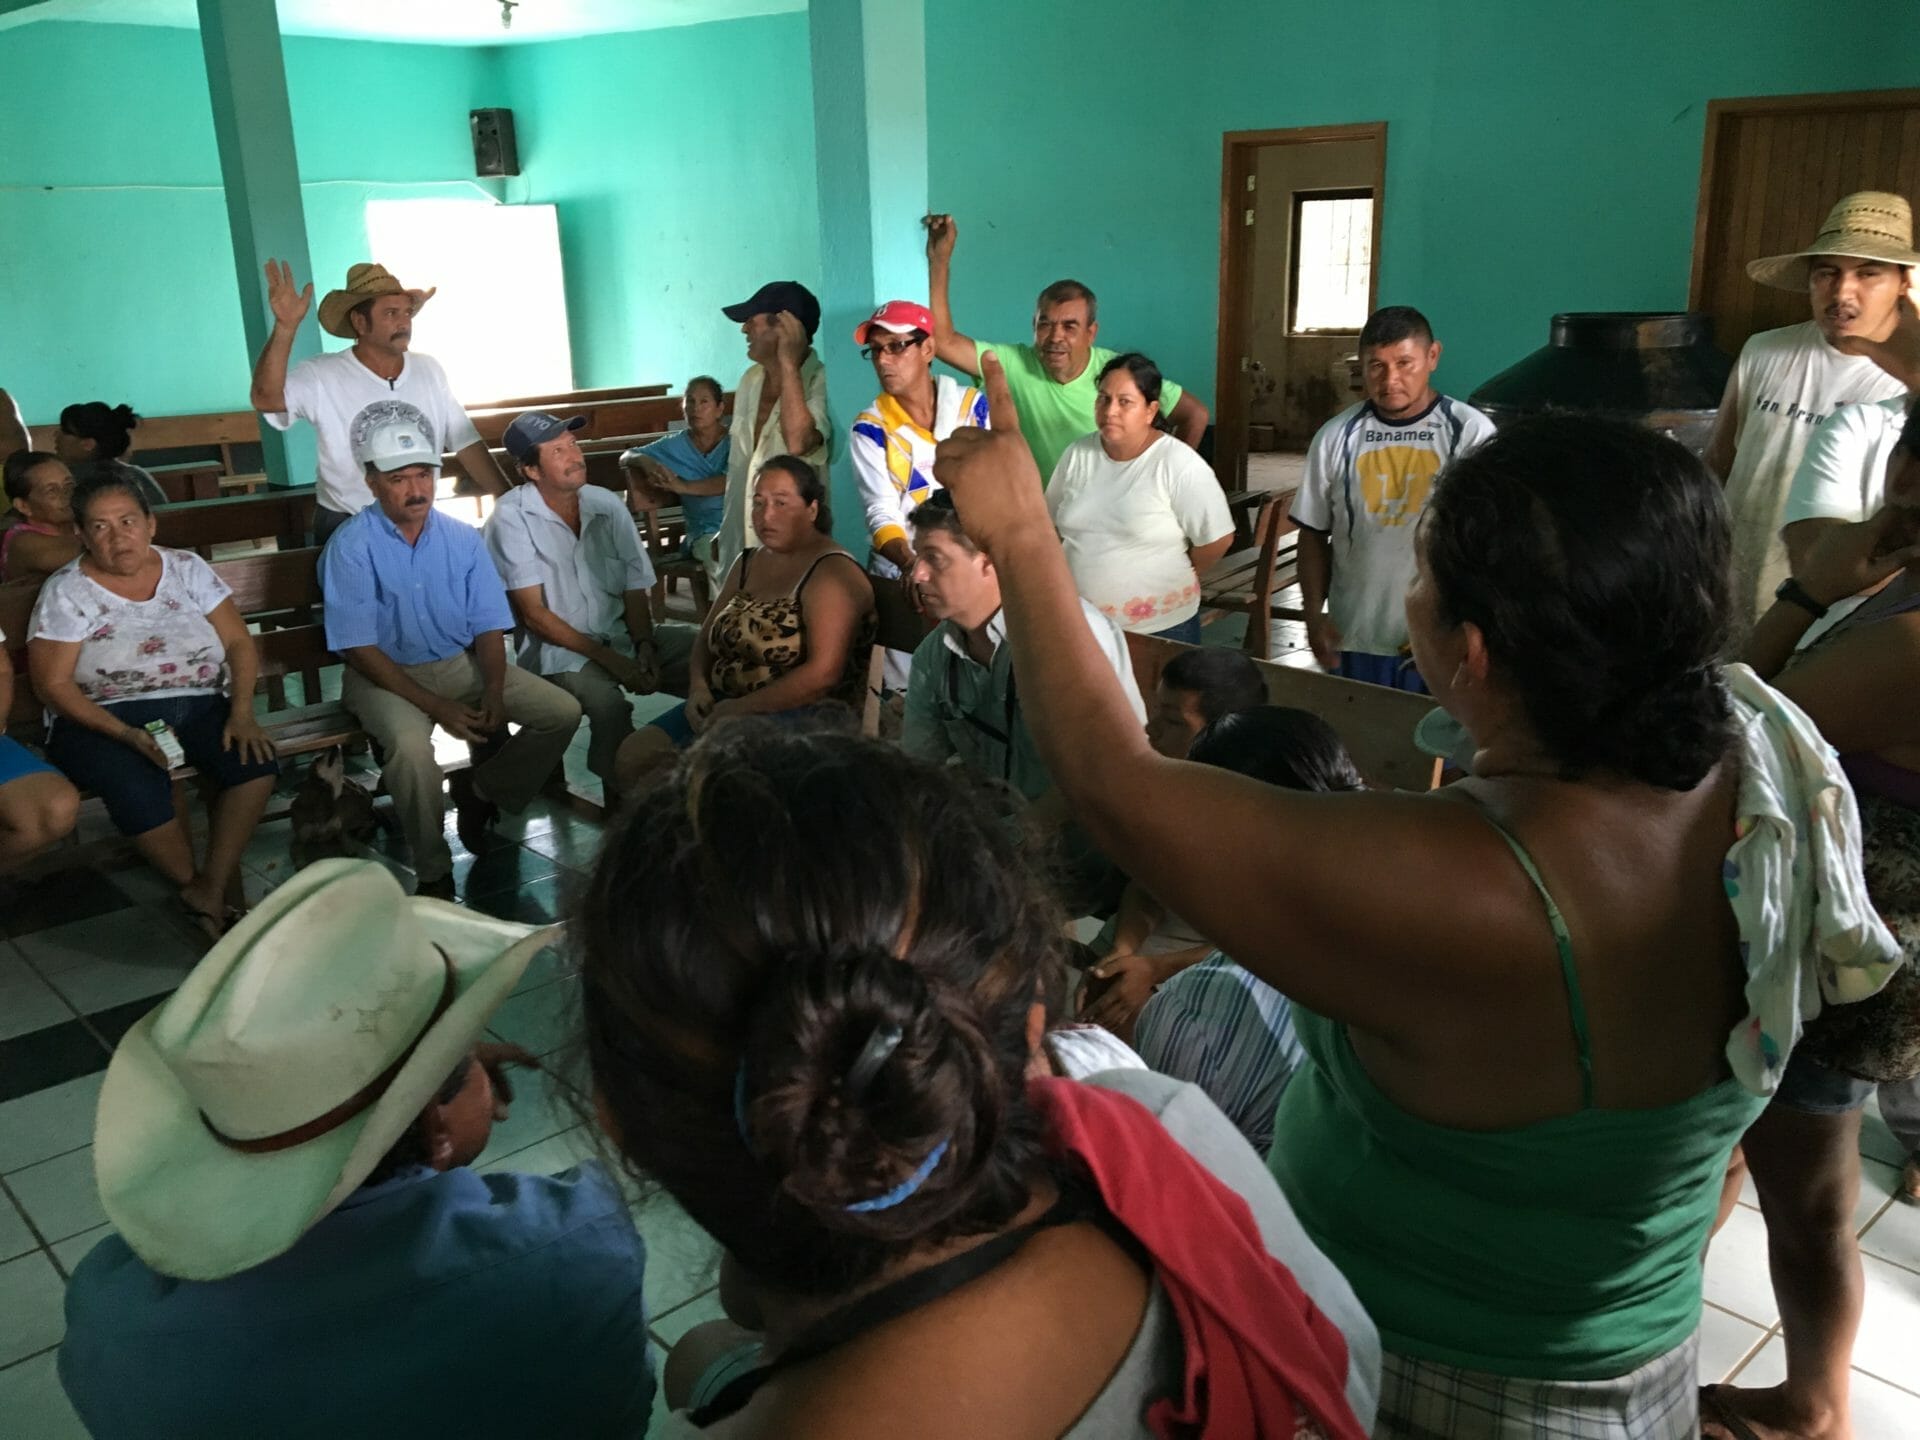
pixel 332 392
pixel 302 1251
pixel 1787 381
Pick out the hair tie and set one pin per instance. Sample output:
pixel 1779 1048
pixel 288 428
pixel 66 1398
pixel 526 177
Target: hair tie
pixel 905 1188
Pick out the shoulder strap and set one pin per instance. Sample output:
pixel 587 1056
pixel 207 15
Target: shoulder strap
pixel 1563 943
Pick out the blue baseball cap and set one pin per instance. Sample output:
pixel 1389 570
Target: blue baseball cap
pixel 530 431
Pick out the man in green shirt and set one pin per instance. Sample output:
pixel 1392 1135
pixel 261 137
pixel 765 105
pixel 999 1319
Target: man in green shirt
pixel 1053 380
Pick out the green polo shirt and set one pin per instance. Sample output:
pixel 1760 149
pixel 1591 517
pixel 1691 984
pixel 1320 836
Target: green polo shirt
pixel 1053 415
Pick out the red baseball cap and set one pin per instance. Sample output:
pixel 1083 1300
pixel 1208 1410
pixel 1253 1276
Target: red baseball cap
pixel 896 317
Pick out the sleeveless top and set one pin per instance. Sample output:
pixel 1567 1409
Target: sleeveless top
pixel 751 642
pixel 19 527
pixel 1566 1249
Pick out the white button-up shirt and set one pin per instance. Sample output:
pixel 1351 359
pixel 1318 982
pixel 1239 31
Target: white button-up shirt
pixel 586 577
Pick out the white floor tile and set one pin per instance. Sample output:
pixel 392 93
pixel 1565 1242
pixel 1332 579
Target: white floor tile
pixel 550 1156
pixel 1880 1411
pixel 48 1122
pixel 1876 1141
pixel 72 1250
pixel 552 963
pixel 16 1236
pixel 59 1195
pixel 1889 1342
pixel 103 984
pixel 143 930
pixel 27 1002
pixel 31 1313
pixel 658 1359
pixel 668 1328
pixel 682 1259
pixel 540 1110
pixel 1725 1341
pixel 1878 1182
pixel 1737 1279
pixel 35 1406
pixel 541 1020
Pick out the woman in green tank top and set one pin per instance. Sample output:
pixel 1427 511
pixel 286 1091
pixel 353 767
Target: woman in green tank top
pixel 1544 1003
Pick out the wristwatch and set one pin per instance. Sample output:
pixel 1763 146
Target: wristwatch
pixel 1794 593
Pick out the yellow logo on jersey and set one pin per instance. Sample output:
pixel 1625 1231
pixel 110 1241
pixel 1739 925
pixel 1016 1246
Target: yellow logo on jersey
pixel 1395 481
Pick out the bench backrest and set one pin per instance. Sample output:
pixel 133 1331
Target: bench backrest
pixel 282 515
pixel 1375 723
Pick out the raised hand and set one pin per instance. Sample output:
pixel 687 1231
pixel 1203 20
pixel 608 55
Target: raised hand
pixel 941 233
pixel 995 483
pixel 289 305
pixel 1899 353
pixel 790 337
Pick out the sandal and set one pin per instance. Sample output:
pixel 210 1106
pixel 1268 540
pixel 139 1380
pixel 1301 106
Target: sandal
pixel 205 921
pixel 1909 1187
pixel 1713 1408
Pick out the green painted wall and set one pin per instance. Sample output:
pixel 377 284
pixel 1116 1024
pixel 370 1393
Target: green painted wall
pixel 681 161
pixel 117 282
pixel 1541 155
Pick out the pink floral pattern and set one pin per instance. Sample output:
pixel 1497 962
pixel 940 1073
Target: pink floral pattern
pixel 135 648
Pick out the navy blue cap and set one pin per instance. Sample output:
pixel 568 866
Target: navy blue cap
pixel 534 429
pixel 775 296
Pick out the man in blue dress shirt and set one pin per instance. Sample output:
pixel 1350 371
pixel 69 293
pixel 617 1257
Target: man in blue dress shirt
pixel 301 1248
pixel 416 609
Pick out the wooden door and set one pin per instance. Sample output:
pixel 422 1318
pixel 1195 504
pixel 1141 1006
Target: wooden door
pixel 1771 170
pixel 1239 157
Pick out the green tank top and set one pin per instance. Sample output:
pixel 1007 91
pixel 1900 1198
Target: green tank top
pixel 1566 1249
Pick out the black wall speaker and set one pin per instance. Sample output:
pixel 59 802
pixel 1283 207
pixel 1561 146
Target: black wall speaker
pixel 494 150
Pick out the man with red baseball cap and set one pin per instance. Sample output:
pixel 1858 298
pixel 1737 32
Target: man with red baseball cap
pixel 893 438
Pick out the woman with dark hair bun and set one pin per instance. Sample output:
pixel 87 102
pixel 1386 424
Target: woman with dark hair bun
pixel 824 1043
pixel 94 438
pixel 1539 1006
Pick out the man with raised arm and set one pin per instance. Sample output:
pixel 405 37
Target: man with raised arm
pixel 1053 380
pixel 346 393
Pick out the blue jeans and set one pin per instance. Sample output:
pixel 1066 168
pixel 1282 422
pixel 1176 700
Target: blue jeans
pixel 1396 672
pixel 139 794
pixel 1187 632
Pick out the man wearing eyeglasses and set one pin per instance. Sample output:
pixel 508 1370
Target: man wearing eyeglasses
pixel 893 440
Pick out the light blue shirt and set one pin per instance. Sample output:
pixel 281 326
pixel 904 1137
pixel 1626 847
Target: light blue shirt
pixel 684 458
pixel 455 1303
pixel 1229 1032
pixel 585 577
pixel 415 603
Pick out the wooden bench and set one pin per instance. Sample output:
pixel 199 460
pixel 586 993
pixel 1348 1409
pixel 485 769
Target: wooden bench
pixel 282 515
pixel 1245 580
pixel 1375 723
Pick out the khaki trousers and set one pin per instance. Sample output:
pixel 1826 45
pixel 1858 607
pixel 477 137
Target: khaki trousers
pixel 545 718
pixel 608 710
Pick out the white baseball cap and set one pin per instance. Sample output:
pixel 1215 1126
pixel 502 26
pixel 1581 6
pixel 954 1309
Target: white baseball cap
pixel 394 445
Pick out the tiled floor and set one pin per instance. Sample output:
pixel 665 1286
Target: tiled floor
pixel 85 952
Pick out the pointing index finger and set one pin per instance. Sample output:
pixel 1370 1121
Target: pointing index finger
pixel 1004 414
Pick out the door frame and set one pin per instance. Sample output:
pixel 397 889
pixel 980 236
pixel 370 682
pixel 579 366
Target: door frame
pixel 1237 152
pixel 1720 111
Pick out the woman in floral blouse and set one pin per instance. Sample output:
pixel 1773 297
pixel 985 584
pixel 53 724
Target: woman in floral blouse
pixel 128 634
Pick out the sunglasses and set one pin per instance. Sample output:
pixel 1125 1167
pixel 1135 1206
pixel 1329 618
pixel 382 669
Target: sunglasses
pixel 891 348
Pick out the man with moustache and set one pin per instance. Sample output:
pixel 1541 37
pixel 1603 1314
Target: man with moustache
pixel 1788 381
pixel 779 406
pixel 416 609
pixel 578 581
pixel 347 392
pixel 1055 380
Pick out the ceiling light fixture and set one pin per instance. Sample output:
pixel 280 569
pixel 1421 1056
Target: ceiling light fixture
pixel 507 7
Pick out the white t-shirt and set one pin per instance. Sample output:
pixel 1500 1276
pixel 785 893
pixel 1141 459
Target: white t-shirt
pixel 1843 474
pixel 1366 483
pixel 1786 383
pixel 1127 527
pixel 133 649
pixel 341 398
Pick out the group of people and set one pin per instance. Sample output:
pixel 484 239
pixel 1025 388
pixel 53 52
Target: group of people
pixel 1442 1161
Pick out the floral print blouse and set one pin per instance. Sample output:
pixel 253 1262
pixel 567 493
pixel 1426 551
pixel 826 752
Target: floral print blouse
pixel 134 649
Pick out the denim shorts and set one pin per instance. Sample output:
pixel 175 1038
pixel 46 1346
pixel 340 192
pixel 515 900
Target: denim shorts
pixel 139 794
pixel 17 762
pixel 1816 1089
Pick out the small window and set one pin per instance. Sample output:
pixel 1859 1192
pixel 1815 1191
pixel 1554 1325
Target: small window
pixel 1332 261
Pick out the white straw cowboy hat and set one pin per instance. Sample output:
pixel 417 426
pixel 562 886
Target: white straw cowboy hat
pixel 1867 225
pixel 268 1086
pixel 365 281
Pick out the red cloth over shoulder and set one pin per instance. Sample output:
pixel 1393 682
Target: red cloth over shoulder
pixel 1262 1359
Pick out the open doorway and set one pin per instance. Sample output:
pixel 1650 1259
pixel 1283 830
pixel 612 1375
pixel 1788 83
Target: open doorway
pixel 1300 214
